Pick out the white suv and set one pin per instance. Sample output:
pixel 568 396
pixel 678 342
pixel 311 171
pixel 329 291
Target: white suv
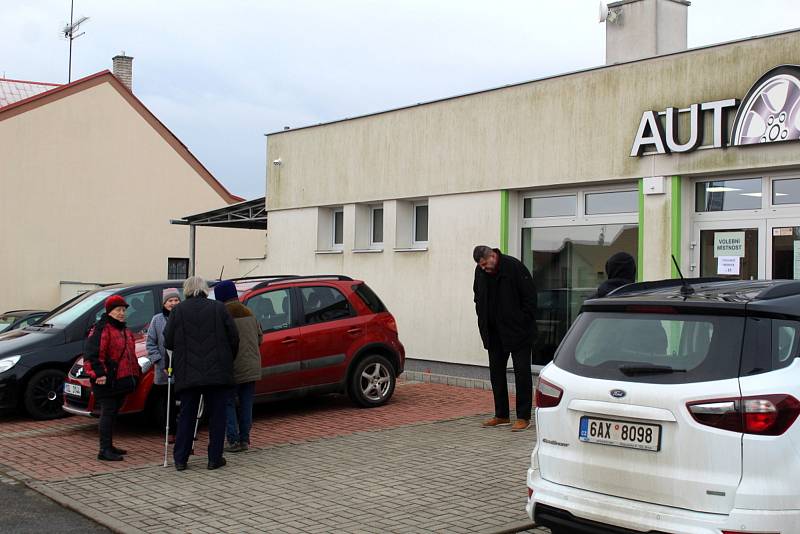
pixel 671 407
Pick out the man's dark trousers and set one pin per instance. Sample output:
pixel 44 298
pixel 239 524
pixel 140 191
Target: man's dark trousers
pixel 214 400
pixel 498 360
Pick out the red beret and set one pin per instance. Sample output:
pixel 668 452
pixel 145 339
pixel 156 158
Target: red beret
pixel 114 301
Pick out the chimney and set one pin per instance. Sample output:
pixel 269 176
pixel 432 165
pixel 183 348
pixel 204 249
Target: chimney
pixel 123 69
pixel 638 29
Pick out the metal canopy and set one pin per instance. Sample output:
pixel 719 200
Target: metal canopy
pixel 250 214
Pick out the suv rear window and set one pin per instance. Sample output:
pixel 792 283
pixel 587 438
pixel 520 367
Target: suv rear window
pixel 370 298
pixel 653 347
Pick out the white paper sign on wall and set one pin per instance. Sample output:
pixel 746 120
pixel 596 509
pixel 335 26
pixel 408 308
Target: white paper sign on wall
pixel 728 265
pixel 729 244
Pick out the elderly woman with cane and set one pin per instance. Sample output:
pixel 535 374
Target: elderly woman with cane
pixel 204 341
pixel 109 360
pixel 157 356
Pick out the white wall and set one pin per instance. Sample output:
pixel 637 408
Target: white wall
pixel 429 292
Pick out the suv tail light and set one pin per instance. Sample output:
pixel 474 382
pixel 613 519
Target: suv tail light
pixel 390 323
pixel 764 415
pixel 547 394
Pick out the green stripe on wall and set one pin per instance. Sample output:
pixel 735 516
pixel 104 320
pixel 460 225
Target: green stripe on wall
pixel 640 258
pixel 676 222
pixel 504 221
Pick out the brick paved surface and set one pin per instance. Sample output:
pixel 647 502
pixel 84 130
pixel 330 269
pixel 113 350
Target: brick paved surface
pixel 420 464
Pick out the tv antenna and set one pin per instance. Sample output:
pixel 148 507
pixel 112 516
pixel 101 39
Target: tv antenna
pixel 69 32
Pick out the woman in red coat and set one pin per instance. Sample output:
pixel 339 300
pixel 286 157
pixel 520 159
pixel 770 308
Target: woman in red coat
pixel 109 359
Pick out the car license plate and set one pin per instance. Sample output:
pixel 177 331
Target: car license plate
pixel 72 389
pixel 620 433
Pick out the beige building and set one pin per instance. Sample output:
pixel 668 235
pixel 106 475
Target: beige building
pixel 90 180
pixel 645 155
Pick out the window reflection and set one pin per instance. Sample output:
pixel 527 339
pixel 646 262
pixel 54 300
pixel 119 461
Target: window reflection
pixel 728 195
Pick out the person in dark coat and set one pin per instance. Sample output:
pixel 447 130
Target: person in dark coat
pixel 109 359
pixel 621 271
pixel 246 368
pixel 204 341
pixel 505 302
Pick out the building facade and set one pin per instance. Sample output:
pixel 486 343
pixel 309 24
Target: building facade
pixel 90 181
pixel 691 154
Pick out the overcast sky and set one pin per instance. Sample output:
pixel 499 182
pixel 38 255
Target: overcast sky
pixel 222 74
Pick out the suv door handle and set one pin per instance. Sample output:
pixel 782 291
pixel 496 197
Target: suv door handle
pixel 288 340
pixel 354 331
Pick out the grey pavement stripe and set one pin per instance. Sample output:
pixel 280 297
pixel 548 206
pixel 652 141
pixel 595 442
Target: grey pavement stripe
pixel 56 429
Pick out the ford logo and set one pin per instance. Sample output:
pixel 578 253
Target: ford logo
pixel 617 393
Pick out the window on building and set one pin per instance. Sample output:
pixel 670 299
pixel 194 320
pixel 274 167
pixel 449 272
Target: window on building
pixel 612 202
pixel 177 268
pixel 376 226
pixel 338 228
pixel 420 230
pixel 554 206
pixel 728 195
pixel 786 191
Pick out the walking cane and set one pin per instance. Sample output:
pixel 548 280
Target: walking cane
pixel 169 404
pixel 200 408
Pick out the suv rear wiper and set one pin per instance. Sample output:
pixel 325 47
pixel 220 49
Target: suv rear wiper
pixel 633 370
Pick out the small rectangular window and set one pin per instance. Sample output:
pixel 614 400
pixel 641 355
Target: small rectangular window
pixel 376 226
pixel 612 202
pixel 338 227
pixel 555 206
pixel 421 223
pixel 728 195
pixel 786 191
pixel 177 268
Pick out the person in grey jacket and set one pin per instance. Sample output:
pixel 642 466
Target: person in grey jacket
pixel 157 354
pixel 246 367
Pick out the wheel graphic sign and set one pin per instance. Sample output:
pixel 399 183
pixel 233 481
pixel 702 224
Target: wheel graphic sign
pixel 770 112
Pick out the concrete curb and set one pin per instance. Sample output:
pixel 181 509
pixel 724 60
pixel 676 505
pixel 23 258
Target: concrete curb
pixel 516 527
pixel 71 504
pixel 432 378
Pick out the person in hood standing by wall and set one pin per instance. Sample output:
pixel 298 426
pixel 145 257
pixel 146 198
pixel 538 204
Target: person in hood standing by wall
pixel 505 301
pixel 204 341
pixel 109 359
pixel 246 367
pixel 157 354
pixel 621 271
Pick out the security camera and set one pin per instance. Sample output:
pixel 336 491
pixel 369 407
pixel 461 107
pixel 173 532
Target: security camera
pixel 277 162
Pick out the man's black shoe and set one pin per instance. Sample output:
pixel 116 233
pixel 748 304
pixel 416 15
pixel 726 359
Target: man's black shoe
pixel 217 465
pixel 116 450
pixel 180 467
pixel 109 456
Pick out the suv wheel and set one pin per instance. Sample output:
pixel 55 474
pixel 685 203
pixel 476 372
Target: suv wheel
pixel 372 382
pixel 43 395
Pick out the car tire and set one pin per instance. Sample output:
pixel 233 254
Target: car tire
pixel 372 381
pixel 44 394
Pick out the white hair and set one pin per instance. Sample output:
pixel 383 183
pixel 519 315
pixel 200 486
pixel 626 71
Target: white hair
pixel 195 286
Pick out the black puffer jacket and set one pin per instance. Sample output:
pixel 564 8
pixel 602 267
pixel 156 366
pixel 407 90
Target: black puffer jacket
pixel 204 341
pixel 515 301
pixel 621 271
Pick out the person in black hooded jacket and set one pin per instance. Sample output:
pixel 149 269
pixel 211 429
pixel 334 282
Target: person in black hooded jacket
pixel 621 271
pixel 204 341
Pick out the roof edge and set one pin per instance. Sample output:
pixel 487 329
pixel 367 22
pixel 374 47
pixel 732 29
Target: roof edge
pixel 535 80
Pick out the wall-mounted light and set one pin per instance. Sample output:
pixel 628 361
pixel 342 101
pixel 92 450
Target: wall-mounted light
pixel 277 162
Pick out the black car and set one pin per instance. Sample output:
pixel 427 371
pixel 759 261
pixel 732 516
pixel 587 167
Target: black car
pixel 34 360
pixel 11 320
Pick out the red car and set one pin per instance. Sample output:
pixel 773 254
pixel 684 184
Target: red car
pixel 322 334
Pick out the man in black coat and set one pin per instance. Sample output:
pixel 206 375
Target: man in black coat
pixel 621 271
pixel 505 301
pixel 204 341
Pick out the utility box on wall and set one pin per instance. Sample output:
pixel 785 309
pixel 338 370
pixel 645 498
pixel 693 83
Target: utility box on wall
pixel 653 185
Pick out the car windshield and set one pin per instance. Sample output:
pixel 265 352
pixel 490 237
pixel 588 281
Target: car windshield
pixel 62 316
pixel 662 348
pixel 6 321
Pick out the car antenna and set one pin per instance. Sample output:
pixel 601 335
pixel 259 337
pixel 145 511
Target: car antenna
pixel 220 272
pixel 686 288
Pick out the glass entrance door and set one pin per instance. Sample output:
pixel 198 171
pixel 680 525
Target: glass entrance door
pixel 783 261
pixel 734 250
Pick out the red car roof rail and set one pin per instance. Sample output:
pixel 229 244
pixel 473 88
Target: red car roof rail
pixel 296 278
